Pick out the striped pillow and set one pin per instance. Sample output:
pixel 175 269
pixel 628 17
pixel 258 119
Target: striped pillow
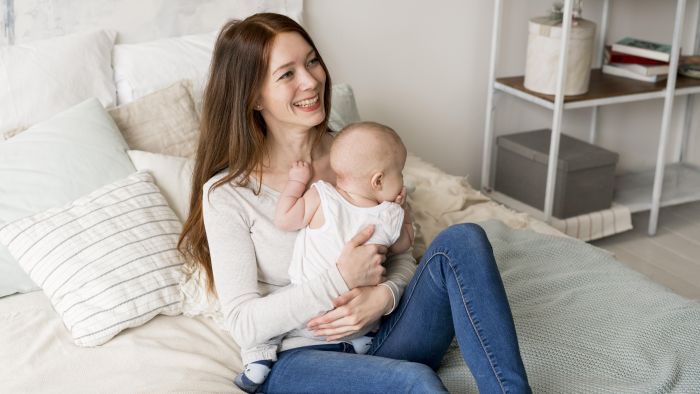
pixel 107 261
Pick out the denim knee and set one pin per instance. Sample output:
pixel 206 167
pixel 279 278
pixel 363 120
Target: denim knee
pixel 419 378
pixel 463 234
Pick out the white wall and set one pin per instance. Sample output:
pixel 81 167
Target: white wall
pixel 422 68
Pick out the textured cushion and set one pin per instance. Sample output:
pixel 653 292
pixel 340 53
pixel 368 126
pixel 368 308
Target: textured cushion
pixel 172 174
pixel 343 107
pixel 107 261
pixel 42 78
pixel 143 68
pixel 53 163
pixel 162 122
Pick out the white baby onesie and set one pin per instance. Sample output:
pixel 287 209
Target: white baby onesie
pixel 316 250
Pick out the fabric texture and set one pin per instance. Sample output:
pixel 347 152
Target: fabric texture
pixel 42 78
pixel 315 250
pixel 170 354
pixel 107 261
pixel 172 175
pixel 161 122
pixel 145 67
pixel 587 323
pixel 53 163
pixel 343 107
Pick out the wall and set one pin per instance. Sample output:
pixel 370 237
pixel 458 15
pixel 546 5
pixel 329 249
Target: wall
pixel 422 67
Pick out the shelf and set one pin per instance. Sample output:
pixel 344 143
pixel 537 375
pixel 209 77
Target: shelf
pixel 681 185
pixel 604 89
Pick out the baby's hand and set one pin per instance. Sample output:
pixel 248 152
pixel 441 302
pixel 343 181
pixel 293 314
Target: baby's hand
pixel 300 172
pixel 401 198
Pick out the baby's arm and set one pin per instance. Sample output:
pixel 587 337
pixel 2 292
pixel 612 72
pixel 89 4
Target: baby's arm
pixel 295 208
pixel 405 239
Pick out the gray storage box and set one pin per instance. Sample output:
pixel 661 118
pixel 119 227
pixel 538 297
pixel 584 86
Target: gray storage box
pixel 585 173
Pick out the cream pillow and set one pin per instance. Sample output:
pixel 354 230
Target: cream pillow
pixel 107 261
pixel 172 174
pixel 41 78
pixel 161 122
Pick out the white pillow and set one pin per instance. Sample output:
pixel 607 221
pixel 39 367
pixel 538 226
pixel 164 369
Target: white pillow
pixel 41 78
pixel 53 163
pixel 142 68
pixel 172 174
pixel 108 261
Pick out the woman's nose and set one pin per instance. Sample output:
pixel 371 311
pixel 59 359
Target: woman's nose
pixel 308 80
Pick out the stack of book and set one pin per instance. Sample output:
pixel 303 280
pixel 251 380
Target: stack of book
pixel 638 59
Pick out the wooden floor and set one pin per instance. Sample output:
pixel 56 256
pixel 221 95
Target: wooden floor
pixel 672 256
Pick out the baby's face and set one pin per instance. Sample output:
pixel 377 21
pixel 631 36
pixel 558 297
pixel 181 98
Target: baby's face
pixel 392 185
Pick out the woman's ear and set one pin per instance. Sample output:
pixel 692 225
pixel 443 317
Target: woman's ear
pixel 377 181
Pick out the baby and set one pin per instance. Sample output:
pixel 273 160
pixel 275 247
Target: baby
pixel 368 159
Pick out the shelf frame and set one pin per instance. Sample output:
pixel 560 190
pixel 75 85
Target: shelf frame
pixel 631 91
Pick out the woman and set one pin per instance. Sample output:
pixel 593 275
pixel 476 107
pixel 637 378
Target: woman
pixel 266 106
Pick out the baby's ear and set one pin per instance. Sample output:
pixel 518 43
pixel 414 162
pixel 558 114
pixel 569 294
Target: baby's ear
pixel 377 181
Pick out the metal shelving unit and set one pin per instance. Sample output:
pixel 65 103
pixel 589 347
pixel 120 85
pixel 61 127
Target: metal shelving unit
pixel 638 191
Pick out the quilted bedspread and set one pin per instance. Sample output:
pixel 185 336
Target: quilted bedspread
pixel 586 323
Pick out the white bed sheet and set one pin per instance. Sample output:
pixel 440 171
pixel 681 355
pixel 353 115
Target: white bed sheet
pixel 168 354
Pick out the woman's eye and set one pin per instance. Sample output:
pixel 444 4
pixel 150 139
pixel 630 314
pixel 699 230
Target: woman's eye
pixel 286 75
pixel 313 62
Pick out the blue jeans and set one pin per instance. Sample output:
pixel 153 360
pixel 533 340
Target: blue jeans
pixel 456 290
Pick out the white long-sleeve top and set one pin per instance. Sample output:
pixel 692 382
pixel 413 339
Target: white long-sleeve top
pixel 250 261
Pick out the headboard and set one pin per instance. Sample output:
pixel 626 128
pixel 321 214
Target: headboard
pixel 135 20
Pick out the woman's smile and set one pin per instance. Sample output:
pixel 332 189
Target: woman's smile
pixel 308 105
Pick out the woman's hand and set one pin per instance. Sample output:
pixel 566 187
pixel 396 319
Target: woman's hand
pixel 360 264
pixel 354 311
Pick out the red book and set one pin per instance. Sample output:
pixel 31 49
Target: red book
pixel 617 57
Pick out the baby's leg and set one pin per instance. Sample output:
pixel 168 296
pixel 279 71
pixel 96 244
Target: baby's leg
pixel 258 362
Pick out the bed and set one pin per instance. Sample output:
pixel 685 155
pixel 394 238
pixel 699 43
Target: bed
pixel 122 127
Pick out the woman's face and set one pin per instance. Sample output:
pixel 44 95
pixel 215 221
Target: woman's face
pixel 292 94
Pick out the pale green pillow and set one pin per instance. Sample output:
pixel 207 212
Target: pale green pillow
pixel 343 107
pixel 55 162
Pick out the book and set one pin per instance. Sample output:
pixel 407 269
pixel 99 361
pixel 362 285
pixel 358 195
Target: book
pixel 619 57
pixel 621 72
pixel 643 69
pixel 642 48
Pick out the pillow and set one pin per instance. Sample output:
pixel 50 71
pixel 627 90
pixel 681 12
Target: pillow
pixel 145 67
pixel 107 261
pixel 53 163
pixel 343 107
pixel 41 78
pixel 173 175
pixel 163 122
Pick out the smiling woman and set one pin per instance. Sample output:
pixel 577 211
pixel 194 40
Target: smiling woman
pixel 293 91
pixel 267 106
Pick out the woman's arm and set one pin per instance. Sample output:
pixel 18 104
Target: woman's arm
pixel 362 306
pixel 250 317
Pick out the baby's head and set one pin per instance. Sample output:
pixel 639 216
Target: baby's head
pixel 368 158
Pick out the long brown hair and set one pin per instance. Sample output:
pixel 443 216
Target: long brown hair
pixel 232 133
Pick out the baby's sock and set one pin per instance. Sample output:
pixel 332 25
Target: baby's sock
pixel 253 376
pixel 361 344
